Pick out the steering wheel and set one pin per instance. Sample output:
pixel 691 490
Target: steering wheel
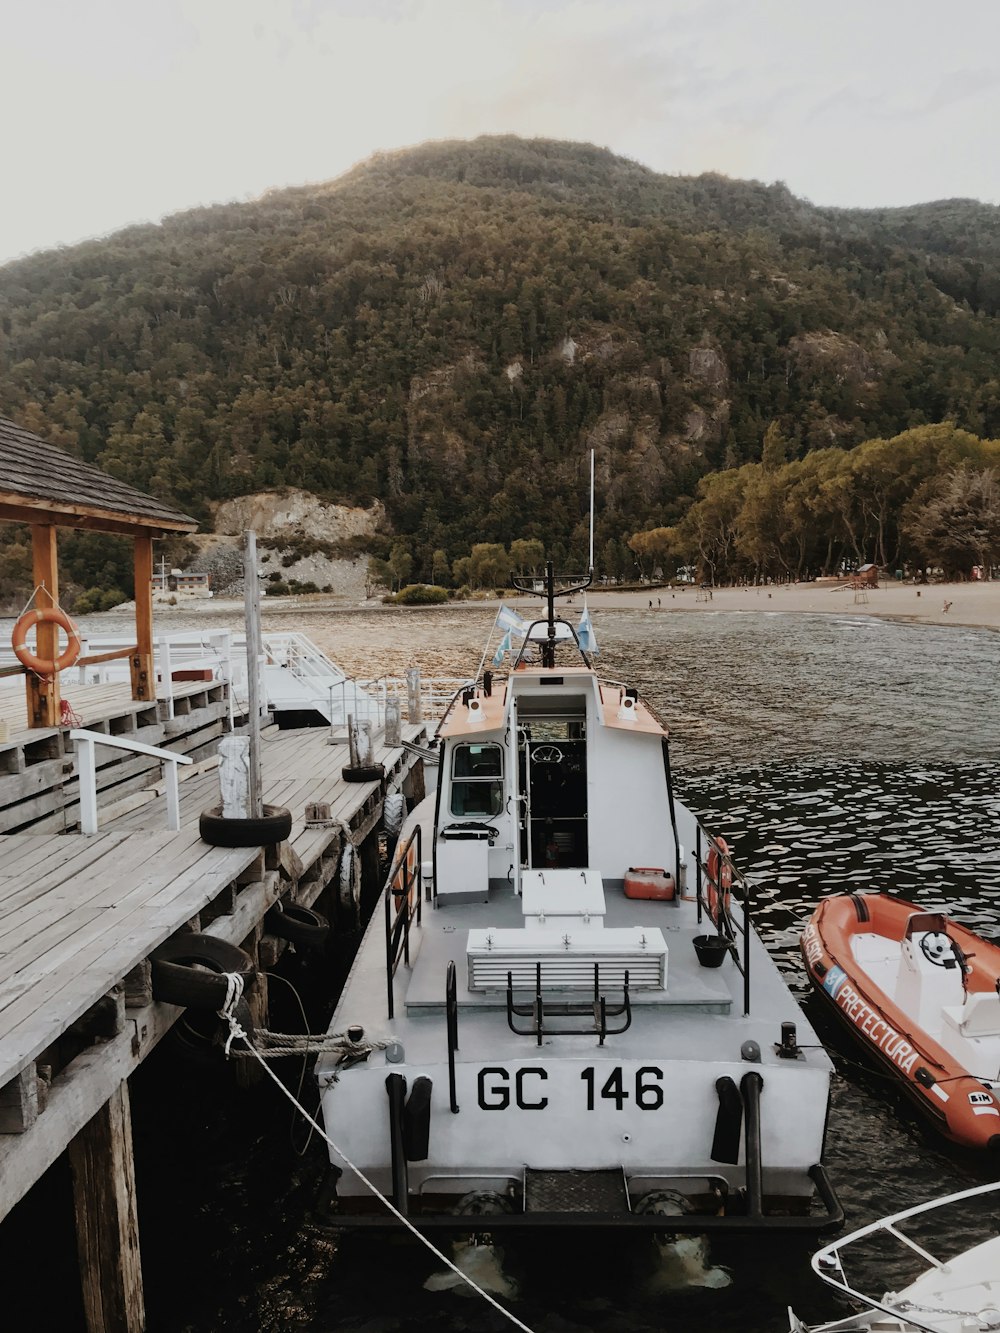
pixel 936 946
pixel 547 754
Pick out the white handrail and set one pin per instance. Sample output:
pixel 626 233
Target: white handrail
pixel 86 768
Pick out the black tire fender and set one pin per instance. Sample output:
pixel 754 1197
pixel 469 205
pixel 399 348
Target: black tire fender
pixel 298 925
pixel 366 773
pixel 274 826
pixel 199 1037
pixel 189 970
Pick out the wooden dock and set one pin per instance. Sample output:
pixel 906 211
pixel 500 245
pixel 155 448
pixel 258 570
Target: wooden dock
pixel 80 915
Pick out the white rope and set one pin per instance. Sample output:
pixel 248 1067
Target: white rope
pixel 273 1045
pixel 38 589
pixel 234 992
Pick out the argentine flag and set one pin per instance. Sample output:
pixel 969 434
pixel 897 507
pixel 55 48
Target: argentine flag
pixel 585 633
pixel 510 620
pixel 505 647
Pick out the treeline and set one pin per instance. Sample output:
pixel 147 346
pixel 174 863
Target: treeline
pixel 454 328
pixel 929 497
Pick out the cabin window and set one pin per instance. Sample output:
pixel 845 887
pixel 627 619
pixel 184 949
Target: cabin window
pixel 477 780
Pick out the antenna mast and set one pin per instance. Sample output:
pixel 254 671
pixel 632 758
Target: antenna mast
pixel 591 565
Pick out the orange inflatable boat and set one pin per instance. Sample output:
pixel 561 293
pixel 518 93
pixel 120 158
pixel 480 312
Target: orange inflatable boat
pixel 922 994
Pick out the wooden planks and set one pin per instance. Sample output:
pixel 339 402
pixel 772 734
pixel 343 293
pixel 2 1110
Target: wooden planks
pixel 64 947
pixel 77 914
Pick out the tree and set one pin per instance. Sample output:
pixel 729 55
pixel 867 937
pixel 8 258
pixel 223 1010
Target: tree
pixel 960 526
pixel 379 575
pixel 774 451
pixel 440 568
pixel 401 564
pixel 527 555
pixel 489 565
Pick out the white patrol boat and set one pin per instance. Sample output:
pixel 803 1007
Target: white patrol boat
pixel 561 1015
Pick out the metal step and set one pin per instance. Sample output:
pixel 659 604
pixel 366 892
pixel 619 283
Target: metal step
pixel 575 1192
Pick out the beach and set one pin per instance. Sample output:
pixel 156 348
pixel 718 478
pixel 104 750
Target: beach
pixel 971 604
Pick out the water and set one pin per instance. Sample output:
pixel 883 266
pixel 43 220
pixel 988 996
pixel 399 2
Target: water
pixel 832 754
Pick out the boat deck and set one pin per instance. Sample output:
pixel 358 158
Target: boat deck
pixel 707 1002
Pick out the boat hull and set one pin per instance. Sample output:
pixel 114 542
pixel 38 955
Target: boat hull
pixel 850 946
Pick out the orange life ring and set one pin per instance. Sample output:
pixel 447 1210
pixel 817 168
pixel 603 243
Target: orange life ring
pixel 720 878
pixel 52 615
pixel 405 883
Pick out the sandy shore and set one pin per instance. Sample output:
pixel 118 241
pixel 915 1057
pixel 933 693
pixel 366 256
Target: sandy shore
pixel 975 604
pixel 969 604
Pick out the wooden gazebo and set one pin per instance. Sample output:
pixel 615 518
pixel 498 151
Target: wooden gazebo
pixel 47 488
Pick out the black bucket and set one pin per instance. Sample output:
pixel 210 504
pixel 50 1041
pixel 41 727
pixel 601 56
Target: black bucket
pixel 711 949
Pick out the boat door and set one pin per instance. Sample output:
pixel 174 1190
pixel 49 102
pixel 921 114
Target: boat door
pixel 552 772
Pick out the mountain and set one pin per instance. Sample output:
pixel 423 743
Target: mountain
pixel 450 329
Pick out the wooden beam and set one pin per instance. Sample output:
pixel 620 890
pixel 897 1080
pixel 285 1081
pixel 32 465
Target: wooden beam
pixel 43 693
pixel 19 1102
pixel 143 676
pixel 255 653
pixel 28 509
pixel 107 1225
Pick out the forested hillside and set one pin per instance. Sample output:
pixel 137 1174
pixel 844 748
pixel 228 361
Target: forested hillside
pixel 452 328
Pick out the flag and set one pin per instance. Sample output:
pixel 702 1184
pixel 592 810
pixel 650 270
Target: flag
pixel 510 620
pixel 585 633
pixel 505 647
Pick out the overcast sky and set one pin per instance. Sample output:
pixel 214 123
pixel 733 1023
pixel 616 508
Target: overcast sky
pixel 119 111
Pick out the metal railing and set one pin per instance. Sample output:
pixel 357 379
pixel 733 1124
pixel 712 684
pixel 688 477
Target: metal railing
pixel 828 1263
pixel 596 1012
pixel 404 876
pixel 716 876
pixel 86 767
pixel 451 1016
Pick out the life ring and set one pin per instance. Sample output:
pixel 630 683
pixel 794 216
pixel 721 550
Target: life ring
pixel 720 877
pixel 52 615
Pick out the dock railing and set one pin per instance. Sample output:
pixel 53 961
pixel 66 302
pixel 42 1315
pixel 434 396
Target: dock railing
pixel 86 767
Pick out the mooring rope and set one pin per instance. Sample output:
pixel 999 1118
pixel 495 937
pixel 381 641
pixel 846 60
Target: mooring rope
pixel 234 993
pixel 274 1045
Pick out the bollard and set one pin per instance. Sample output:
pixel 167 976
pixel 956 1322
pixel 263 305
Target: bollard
pixel 234 776
pixel 413 711
pixel 393 724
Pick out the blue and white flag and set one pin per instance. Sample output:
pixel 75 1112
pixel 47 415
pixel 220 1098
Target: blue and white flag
pixel 510 620
pixel 585 633
pixel 505 647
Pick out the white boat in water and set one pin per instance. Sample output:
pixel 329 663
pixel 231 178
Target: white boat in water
pixel 561 1015
pixel 954 1292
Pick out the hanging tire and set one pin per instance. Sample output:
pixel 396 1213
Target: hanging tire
pixel 298 925
pixel 188 970
pixel 274 826
pixel 199 1036
pixel 367 773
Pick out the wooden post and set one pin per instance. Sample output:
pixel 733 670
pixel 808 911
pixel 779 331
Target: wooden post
pixel 255 651
pixel 413 694
pixel 42 691
pixel 143 675
pixel 249 1072
pixel 107 1226
pixel 393 724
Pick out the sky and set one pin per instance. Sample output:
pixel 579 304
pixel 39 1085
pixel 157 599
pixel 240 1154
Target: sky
pixel 123 111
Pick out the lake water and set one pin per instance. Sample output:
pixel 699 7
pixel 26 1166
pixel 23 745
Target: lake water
pixel 831 753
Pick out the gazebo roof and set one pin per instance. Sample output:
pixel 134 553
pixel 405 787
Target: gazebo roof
pixel 41 483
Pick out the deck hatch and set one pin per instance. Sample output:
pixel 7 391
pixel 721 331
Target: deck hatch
pixel 575 1192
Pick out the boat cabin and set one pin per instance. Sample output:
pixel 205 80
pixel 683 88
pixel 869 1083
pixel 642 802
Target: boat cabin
pixel 585 753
